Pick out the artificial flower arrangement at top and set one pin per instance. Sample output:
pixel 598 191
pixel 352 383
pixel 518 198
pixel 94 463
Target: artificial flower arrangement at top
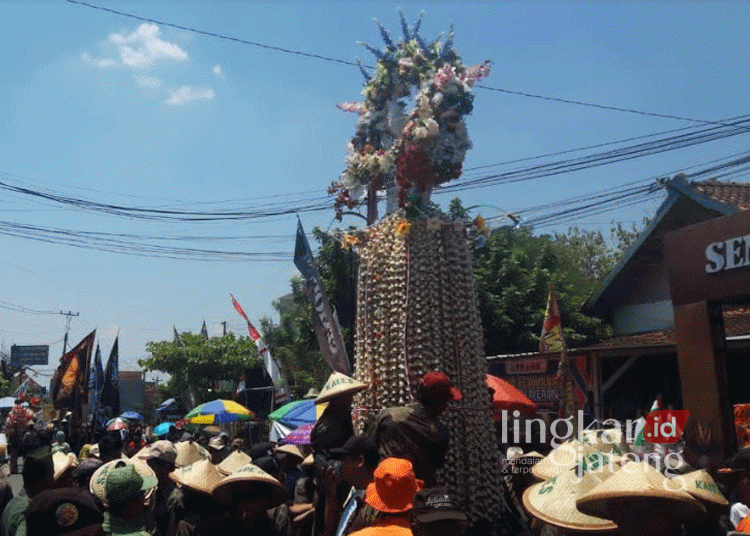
pixel 408 153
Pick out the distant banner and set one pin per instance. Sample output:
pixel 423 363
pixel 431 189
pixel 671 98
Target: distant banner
pixel 69 383
pixel 326 324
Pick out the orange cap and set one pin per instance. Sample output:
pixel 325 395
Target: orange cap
pixel 394 487
pixel 744 524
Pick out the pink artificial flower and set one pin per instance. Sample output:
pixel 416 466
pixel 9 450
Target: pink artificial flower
pixel 472 74
pixel 443 76
pixel 354 107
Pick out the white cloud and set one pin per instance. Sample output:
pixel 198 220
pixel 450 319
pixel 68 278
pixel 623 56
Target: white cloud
pixel 186 94
pixel 103 63
pixel 147 81
pixel 218 71
pixel 144 46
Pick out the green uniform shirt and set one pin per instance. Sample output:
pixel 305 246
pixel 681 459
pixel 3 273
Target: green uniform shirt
pixel 115 526
pixel 13 516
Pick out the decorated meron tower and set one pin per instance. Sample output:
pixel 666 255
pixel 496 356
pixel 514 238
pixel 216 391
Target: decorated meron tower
pixel 417 301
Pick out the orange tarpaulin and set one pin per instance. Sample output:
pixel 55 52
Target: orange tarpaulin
pixel 507 397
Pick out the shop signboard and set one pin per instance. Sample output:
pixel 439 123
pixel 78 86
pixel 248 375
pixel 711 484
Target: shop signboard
pixel 536 377
pixel 29 355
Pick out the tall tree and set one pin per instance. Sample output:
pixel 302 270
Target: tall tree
pixel 199 363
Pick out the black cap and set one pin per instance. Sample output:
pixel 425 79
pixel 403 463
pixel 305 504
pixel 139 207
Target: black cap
pixel 38 466
pixel 65 511
pixel 435 504
pixel 740 460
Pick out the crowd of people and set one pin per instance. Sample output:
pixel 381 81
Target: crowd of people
pixel 382 482
pixel 206 484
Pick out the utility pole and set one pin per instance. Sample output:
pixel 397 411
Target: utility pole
pixel 225 326
pixel 68 315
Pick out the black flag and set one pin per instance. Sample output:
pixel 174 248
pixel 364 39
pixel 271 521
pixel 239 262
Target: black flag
pixel 111 388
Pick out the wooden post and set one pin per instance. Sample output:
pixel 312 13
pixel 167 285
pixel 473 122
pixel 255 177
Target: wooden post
pixel 701 353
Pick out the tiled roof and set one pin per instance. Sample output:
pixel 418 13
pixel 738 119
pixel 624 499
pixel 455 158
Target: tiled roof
pixel 736 323
pixel 732 193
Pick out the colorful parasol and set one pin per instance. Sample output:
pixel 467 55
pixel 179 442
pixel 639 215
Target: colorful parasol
pixel 118 423
pixel 219 411
pixel 299 436
pixel 132 415
pixel 295 413
pixel 507 397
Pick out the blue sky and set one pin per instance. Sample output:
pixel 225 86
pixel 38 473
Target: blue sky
pixel 102 107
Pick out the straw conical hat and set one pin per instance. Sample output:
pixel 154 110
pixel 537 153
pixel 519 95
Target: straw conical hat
pixel 309 461
pixel 611 440
pixel 339 384
pixel 634 482
pixel 562 459
pixel 98 482
pixel 293 450
pixel 189 452
pixel 199 476
pixel 700 485
pixel 142 453
pixel 251 475
pixel 233 462
pixel 554 500
pixel 63 462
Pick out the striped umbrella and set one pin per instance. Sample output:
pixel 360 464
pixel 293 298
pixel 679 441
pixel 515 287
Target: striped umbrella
pixel 219 411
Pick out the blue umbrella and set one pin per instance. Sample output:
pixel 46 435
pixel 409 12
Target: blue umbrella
pixel 162 428
pixel 132 415
pixel 295 414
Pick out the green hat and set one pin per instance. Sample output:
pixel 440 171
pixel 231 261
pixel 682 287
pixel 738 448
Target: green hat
pixel 123 484
pixel 115 481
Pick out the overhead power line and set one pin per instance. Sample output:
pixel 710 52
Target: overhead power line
pixel 358 65
pixel 88 240
pixel 21 309
pixel 218 36
pixel 685 138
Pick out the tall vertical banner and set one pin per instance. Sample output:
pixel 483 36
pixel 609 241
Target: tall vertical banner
pixel 96 380
pixel 110 397
pixel 326 324
pixel 552 340
pixel 281 392
pixel 69 386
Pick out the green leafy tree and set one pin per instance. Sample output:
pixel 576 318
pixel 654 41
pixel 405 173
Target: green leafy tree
pixel 514 270
pixel 197 363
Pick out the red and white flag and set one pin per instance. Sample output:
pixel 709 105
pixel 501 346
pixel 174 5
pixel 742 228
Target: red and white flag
pixel 281 392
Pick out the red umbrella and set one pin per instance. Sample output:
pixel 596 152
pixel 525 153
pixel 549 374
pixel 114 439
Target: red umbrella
pixel 507 397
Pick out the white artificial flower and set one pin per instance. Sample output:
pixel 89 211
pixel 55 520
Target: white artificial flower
pixel 396 117
pixel 437 99
pixel 420 133
pixel 356 191
pixel 424 110
pixel 433 129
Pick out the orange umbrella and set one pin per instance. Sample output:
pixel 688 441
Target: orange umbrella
pixel 507 397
